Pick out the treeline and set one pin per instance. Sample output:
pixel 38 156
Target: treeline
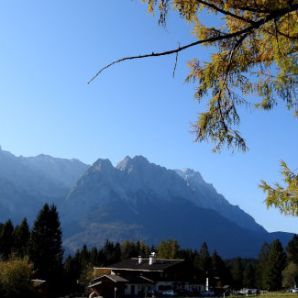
pixel 37 253
pixel 28 254
pixel 274 269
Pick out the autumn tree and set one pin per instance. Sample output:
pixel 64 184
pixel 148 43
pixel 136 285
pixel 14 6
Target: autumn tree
pixel 290 275
pixel 168 249
pixel 253 62
pixel 285 198
pixel 131 249
pixel 15 278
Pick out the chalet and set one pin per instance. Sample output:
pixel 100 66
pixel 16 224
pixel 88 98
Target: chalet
pixel 143 277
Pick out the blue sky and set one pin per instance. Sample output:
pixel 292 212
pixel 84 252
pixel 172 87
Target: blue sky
pixel 50 49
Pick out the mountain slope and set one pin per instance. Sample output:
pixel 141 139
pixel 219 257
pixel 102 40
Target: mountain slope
pixel 140 200
pixel 208 197
pixel 26 183
pixel 134 200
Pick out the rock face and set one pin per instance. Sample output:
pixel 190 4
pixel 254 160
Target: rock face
pixel 135 200
pixel 207 197
pixel 140 200
pixel 26 183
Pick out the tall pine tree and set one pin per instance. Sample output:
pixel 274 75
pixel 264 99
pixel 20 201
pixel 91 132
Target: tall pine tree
pixel 21 237
pixel 6 240
pixel 203 263
pixel 249 276
pixel 292 250
pixel 276 263
pixel 220 273
pixel 236 268
pixel 45 248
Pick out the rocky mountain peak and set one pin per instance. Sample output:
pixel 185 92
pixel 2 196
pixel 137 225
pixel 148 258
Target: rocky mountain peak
pixel 191 176
pixel 102 165
pixel 128 163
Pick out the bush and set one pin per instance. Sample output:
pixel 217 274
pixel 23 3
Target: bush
pixel 15 278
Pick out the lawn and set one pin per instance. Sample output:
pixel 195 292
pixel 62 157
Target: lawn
pixel 271 295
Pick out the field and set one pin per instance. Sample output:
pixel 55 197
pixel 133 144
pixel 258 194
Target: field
pixel 271 295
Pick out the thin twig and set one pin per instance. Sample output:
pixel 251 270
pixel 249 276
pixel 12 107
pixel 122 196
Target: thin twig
pixel 175 65
pixel 173 51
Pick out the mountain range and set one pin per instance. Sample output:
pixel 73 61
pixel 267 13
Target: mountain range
pixel 134 200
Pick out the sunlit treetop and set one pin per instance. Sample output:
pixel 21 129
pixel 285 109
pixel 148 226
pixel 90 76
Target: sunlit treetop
pixel 254 62
pixel 284 197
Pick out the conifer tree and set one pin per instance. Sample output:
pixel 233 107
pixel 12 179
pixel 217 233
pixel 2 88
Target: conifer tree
pixel 129 249
pixel 237 273
pixel 249 276
pixel 45 248
pixel 142 248
pixel 262 265
pixel 21 237
pixel 111 252
pixel 203 261
pixel 6 240
pixel 276 263
pixel 292 250
pixel 220 273
pixel 72 270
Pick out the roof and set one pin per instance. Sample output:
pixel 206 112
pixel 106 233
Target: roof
pixel 159 265
pixel 140 280
pixel 38 282
pixel 114 278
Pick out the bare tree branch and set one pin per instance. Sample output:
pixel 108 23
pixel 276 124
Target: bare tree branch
pixel 248 29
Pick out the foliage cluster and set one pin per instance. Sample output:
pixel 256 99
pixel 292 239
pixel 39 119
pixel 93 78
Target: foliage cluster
pixel 256 46
pixel 15 278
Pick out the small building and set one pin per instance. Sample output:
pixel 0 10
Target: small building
pixel 143 277
pixel 40 286
pixel 108 285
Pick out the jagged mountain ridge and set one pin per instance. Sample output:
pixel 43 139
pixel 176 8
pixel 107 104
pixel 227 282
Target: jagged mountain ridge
pixel 207 197
pixel 26 183
pixel 134 200
pixel 102 182
pixel 140 200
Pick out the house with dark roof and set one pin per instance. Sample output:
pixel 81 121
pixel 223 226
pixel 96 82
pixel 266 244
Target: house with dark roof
pixel 143 277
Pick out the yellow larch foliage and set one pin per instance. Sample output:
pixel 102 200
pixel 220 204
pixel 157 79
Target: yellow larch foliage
pixel 255 63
